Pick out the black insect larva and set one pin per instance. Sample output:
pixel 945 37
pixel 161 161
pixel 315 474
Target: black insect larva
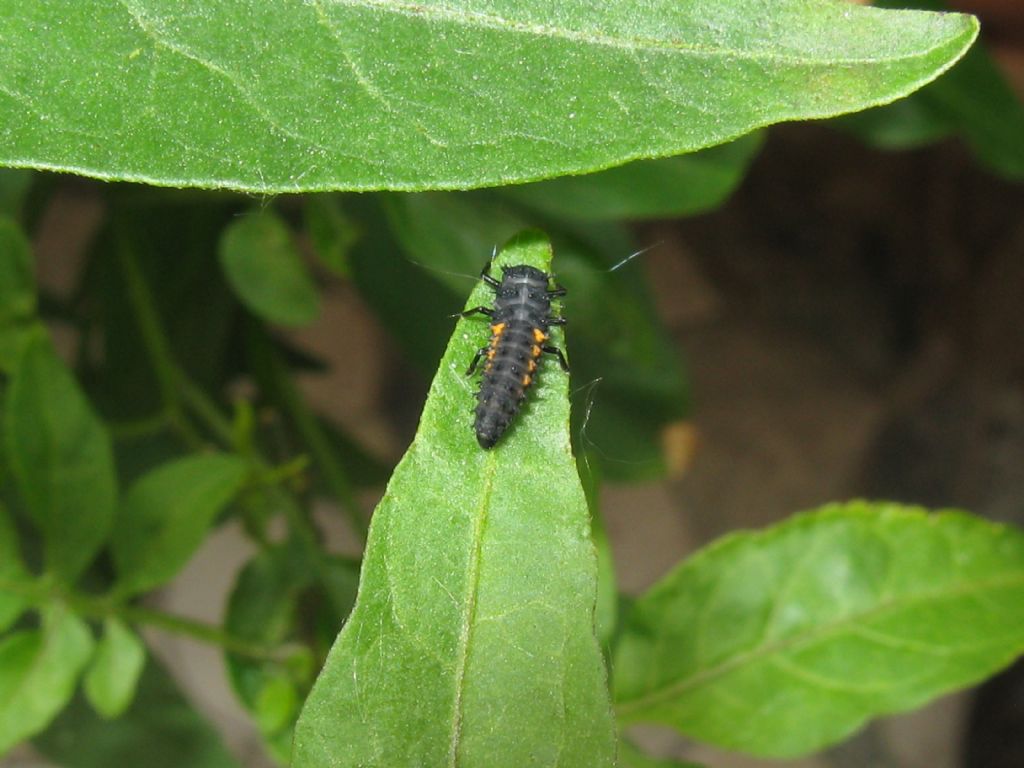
pixel 520 319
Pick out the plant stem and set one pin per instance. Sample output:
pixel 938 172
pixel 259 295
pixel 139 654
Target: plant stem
pixel 154 339
pixel 41 592
pixel 205 409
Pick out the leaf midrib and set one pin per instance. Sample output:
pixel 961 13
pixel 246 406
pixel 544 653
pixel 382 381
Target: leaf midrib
pixel 464 17
pixel 675 689
pixel 472 590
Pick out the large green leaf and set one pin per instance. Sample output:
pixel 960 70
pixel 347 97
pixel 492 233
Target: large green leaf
pixel 159 730
pixel 38 672
pixel 778 643
pixel 472 640
pixel 369 94
pixel 165 515
pixel 60 455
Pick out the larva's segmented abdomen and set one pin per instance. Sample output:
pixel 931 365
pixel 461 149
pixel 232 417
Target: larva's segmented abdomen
pixel 519 328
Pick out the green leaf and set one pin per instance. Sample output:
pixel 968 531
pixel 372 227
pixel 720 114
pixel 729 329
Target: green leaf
pixel 293 96
pixel 60 456
pixel 974 100
pixel 781 642
pixel 906 124
pixel 331 230
pixel 672 186
pixel 14 183
pixel 12 572
pixel 607 605
pixel 263 609
pixel 114 673
pixel 17 293
pixel 38 672
pixel 281 596
pixel 165 515
pixel 477 594
pixel 159 730
pixel 266 271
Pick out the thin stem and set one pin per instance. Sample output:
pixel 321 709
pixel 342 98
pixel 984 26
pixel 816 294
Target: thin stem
pixel 154 339
pixel 205 409
pixel 42 591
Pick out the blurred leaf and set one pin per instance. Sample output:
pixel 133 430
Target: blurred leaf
pixel 12 572
pixel 476 598
pixel 607 606
pixel 266 271
pixel 17 284
pixel 159 730
pixel 277 706
pixel 38 672
pixel 59 453
pixel 331 230
pixel 630 381
pixel 17 292
pixel 672 186
pixel 380 95
pixel 973 99
pixel 905 124
pixel 277 599
pixel 14 183
pixel 165 515
pixel 112 677
pixel 631 756
pixel 781 642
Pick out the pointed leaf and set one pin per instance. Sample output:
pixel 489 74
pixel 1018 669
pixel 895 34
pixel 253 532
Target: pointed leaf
pixel 265 269
pixel 17 292
pixel 165 515
pixel 38 672
pixel 472 640
pixel 331 231
pixel 61 459
pixel 17 284
pixel 372 94
pixel 778 643
pixel 111 678
pixel 14 183
pixel 12 572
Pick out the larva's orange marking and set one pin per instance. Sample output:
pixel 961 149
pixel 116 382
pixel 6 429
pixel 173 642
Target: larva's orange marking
pixel 520 319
